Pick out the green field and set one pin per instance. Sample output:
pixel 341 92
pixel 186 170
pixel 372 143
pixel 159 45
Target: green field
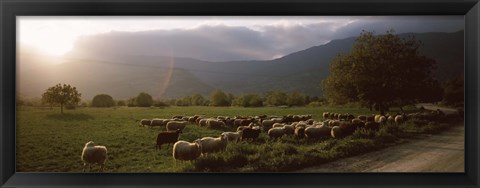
pixel 48 141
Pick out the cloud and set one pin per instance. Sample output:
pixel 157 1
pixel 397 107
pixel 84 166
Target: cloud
pixel 221 42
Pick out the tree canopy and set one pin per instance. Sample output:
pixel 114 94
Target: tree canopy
pixel 381 70
pixel 220 98
pixel 62 95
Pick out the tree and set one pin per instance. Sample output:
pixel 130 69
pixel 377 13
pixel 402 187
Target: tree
pixel 144 100
pixel 103 100
pixel 220 98
pixel 380 70
pixel 248 100
pixel 121 103
pixel 62 95
pixel 198 100
pixel 295 99
pixel 275 98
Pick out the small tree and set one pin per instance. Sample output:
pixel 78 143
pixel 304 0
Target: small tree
pixel 248 100
pixel 295 99
pixel 103 100
pixel 62 95
pixel 220 98
pixel 144 100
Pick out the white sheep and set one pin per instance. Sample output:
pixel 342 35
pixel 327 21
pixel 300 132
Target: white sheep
pixel 94 154
pixel 186 151
pixel 276 132
pixel 399 119
pixel 212 145
pixel 176 125
pixel 232 136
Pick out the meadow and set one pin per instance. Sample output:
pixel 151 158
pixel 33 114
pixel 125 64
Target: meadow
pixel 47 141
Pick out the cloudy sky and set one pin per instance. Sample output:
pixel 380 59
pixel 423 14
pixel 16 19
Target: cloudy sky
pixel 211 38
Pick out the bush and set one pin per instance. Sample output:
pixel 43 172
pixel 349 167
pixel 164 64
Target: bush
pixel 103 100
pixel 144 100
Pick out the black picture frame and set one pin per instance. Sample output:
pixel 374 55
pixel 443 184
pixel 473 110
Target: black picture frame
pixel 9 9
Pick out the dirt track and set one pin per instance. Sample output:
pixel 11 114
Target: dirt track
pixel 444 152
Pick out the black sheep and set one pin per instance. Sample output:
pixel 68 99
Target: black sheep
pixel 167 137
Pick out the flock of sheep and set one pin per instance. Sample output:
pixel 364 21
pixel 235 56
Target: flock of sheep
pixel 249 128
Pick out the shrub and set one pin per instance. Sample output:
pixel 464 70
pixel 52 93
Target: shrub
pixel 103 100
pixel 144 100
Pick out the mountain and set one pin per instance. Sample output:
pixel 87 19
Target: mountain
pixel 125 75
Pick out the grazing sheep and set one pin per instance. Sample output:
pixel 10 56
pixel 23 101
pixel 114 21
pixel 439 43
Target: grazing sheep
pixel 356 121
pixel 371 118
pixel 212 145
pixel 399 119
pixel 300 132
pixel 175 125
pixel 267 124
pixel 278 125
pixel 232 136
pixel 144 122
pixel 336 132
pixel 382 120
pixel 363 118
pixel 289 129
pixel 92 154
pixel 277 120
pixel 297 125
pixel 157 122
pixel 250 133
pixel 317 132
pixel 276 132
pixel 310 121
pixel 376 118
pixel 167 137
pixel 186 151
pixel 391 119
pixel 326 115
pixel 203 122
pixel 215 124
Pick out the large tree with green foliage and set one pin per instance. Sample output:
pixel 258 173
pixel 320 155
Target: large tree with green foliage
pixel 62 95
pixel 381 70
pixel 103 100
pixel 248 100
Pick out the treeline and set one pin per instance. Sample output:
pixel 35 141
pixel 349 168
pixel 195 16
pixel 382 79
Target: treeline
pixel 221 98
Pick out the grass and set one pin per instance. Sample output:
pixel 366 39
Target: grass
pixel 48 141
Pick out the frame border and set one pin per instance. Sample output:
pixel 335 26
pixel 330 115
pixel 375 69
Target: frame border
pixel 11 8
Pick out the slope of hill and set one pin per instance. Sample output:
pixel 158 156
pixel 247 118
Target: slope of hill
pixel 125 75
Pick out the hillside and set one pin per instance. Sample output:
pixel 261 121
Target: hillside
pixel 125 75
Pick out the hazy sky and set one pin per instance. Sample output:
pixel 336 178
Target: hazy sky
pixel 264 37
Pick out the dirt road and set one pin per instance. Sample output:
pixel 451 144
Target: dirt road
pixel 443 152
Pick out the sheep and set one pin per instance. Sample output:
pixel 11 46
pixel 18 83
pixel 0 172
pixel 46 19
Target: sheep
pixel 167 137
pixel 267 124
pixel 202 122
pixel 382 120
pixel 362 117
pixel 232 136
pixel 250 133
pixel 356 121
pixel 289 129
pixel 376 118
pixel 297 125
pixel 144 122
pixel 336 132
pixel 215 124
pixel 175 125
pixel 317 132
pixel 212 145
pixel 94 154
pixel 310 121
pixel 391 119
pixel 300 132
pixel 371 118
pixel 325 115
pixel 278 125
pixel 276 132
pixel 399 119
pixel 277 120
pixel 186 151
pixel 157 122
